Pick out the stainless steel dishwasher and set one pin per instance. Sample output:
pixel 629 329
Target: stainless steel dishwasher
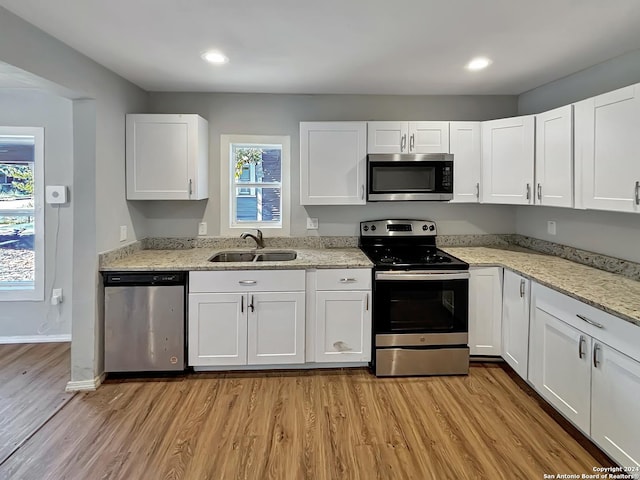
pixel 144 321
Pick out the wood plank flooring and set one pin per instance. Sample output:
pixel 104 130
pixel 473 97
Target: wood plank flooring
pixel 343 424
pixel 32 382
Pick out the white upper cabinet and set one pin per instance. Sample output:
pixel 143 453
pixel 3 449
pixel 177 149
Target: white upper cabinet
pixel 333 163
pixel 554 158
pixel 465 145
pixel 408 137
pixel 167 157
pixel 607 146
pixel 507 160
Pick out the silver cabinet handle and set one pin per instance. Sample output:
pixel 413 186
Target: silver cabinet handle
pixel 251 304
pixel 478 190
pixel 247 282
pixel 367 303
pixel 580 350
pixel 190 187
pixel 589 321
pixel 539 191
pixel 412 142
pixel 347 280
pixel 521 288
pixel 637 193
pixel 403 142
pixel 528 191
pixel 362 192
pixel 596 347
pixel 242 304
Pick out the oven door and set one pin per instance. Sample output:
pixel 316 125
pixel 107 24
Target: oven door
pixel 421 308
pixel 409 177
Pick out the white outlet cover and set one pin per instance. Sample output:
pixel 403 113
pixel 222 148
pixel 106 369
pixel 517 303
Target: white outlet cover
pixel 123 233
pixel 312 223
pixel 202 228
pixel 56 194
pixel 551 227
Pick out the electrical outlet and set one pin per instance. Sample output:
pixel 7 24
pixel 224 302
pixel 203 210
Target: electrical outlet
pixel 202 228
pixel 551 227
pixel 56 296
pixel 123 233
pixel 312 223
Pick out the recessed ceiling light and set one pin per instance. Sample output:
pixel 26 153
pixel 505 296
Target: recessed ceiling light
pixel 478 63
pixel 215 57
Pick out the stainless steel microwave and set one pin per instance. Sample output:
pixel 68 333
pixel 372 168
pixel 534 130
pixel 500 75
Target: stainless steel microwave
pixel 402 177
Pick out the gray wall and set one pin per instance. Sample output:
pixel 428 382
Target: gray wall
pixel 98 197
pixel 280 115
pixel 615 234
pixel 36 109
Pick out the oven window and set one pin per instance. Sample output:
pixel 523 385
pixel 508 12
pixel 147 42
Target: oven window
pixel 398 177
pixel 421 306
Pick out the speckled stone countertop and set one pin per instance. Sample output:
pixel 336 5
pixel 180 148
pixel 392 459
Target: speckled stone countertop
pixel 198 259
pixel 606 291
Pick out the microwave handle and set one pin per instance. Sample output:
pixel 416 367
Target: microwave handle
pixel 362 192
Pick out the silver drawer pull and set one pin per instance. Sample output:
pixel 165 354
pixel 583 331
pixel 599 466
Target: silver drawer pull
pixel 347 280
pixel 247 282
pixel 589 321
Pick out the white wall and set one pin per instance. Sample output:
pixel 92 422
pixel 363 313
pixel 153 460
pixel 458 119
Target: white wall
pixel 98 197
pixel 54 113
pixel 266 114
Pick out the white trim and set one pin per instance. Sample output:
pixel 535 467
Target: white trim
pixel 295 366
pixel 225 185
pixel 35 339
pixel 85 385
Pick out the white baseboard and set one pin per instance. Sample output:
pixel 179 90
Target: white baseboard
pixel 293 366
pixel 85 385
pixel 35 339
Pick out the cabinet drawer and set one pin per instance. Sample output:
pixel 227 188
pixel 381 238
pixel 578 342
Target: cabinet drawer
pixel 247 281
pixel 343 279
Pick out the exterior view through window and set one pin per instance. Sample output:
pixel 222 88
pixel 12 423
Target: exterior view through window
pixel 256 193
pixel 20 219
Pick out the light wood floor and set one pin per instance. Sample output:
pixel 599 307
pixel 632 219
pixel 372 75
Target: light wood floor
pixel 302 425
pixel 32 382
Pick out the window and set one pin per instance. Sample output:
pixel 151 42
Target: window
pixel 21 217
pixel 255 184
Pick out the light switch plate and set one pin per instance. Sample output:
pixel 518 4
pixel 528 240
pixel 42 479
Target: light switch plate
pixel 56 194
pixel 312 223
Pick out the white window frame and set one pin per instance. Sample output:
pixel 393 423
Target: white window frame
pixel 19 292
pixel 227 226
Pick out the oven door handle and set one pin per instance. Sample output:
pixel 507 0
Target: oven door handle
pixel 421 276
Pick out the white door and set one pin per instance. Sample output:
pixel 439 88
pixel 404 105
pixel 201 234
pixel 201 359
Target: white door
pixel 464 144
pixel 333 159
pixel 515 322
pixel 276 328
pixel 608 148
pixel 343 326
pixel 507 160
pixel 428 137
pixel 217 329
pixel 485 311
pixel 615 416
pixel 559 366
pixel 387 137
pixel 554 157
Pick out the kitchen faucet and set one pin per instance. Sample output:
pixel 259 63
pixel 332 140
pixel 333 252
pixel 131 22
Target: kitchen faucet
pixel 258 238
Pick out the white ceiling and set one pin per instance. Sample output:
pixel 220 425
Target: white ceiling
pixel 341 46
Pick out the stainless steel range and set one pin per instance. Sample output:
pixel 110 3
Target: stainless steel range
pixel 420 300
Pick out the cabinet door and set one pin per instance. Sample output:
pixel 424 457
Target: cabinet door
pixel 217 329
pixel 166 157
pixel 554 157
pixel 485 311
pixel 387 137
pixel 333 159
pixel 343 326
pixel 507 160
pixel 608 148
pixel 464 144
pixel 275 328
pixel 515 322
pixel 559 365
pixel 428 137
pixel 615 418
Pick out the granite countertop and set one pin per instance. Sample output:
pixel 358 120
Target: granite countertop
pixel 198 259
pixel 606 291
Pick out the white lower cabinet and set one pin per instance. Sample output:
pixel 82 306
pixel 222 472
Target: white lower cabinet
pixel 485 311
pixel 515 321
pixel 243 324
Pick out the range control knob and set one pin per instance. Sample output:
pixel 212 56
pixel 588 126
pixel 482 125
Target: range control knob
pixel 432 228
pixel 373 227
pixel 425 228
pixel 365 228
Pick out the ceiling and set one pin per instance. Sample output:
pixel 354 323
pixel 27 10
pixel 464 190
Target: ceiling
pixel 341 46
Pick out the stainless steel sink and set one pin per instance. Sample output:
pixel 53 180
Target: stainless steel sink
pixel 254 256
